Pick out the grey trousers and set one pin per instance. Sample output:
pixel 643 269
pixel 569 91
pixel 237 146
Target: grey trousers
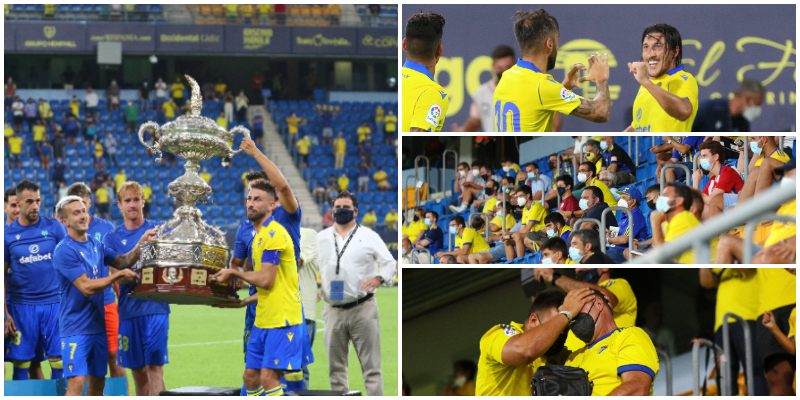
pixel 361 326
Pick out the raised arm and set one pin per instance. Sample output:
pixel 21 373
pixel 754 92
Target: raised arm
pixel 89 287
pixel 599 108
pixel 707 278
pixel 288 201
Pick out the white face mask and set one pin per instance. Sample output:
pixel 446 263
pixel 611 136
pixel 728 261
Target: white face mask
pixel 751 112
pixel 461 173
pixel 475 172
pixel 460 381
pixel 521 201
pixel 506 168
pixel 551 233
pixel 581 177
pixel 622 203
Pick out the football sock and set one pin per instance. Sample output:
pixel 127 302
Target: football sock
pixel 21 370
pixel 259 391
pixel 278 391
pixel 57 369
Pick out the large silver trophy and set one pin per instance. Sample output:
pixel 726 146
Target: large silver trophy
pixel 177 266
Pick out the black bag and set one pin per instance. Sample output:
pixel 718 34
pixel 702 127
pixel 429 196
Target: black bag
pixel 554 380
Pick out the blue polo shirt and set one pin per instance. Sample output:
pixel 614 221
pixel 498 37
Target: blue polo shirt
pixel 639 228
pixel 435 236
pixel 715 116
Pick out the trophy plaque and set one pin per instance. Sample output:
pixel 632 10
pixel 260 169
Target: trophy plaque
pixel 176 267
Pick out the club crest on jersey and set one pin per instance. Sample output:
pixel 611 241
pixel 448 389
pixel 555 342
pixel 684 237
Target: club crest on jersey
pixel 124 242
pixel 567 94
pixel 33 249
pixel 639 115
pixel 97 235
pixel 434 114
pixel 17 237
pixel 509 330
pixel 44 233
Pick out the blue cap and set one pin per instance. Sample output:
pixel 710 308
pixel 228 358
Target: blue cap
pixel 788 166
pixel 633 192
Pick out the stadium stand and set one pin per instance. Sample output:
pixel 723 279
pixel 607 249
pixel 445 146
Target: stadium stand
pixel 646 167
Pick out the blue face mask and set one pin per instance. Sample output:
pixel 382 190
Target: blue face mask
pixel 575 254
pixel 427 222
pixel 584 204
pixel 662 204
pixel 453 230
pixel 531 175
pixel 603 145
pixel 551 233
pixel 705 164
pixel 500 213
pixel 754 148
pixel 547 261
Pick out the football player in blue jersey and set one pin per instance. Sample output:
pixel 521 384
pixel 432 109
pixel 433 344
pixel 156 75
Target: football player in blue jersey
pixel 82 263
pixel 33 294
pixel 10 205
pixel 144 324
pixel 98 228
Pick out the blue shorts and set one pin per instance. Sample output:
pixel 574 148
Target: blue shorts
pixel 729 200
pixel 497 252
pixel 143 341
pixel 680 174
pixel 37 328
pixel 285 348
pixel 249 320
pixel 85 355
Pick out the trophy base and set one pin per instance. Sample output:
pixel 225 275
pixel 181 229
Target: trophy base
pixel 190 285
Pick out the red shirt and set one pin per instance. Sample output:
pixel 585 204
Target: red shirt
pixel 728 180
pixel 570 203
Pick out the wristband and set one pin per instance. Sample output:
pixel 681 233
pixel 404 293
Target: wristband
pixel 568 315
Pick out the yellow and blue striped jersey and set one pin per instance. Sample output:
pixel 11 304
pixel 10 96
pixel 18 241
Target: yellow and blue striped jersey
pixel 280 306
pixel 526 99
pixel 475 241
pixel 496 378
pixel 425 102
pixel 648 116
pixel 778 154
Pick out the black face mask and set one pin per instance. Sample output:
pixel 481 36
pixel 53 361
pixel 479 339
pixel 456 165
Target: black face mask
pixel 561 190
pixel 583 326
pixel 489 191
pixel 651 204
pixel 589 275
pixel 518 215
pixel 485 177
pixel 416 217
pixel 558 345
pixel 705 172
pixel 343 216
pixel 551 165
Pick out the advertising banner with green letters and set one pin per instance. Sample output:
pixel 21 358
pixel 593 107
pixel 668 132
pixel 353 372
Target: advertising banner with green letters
pixel 50 37
pixel 258 39
pixel 313 40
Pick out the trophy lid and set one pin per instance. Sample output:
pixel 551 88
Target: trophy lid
pixel 195 123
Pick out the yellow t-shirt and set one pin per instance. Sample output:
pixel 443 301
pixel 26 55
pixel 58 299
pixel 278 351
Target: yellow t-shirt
pixel 778 154
pixel 381 178
pixel 494 377
pixel 205 176
pixel 489 205
pixel 648 116
pixel 792 322
pixel 735 294
pixel 370 219
pixel 534 213
pixel 119 179
pixel 101 194
pixel 415 229
pixel 682 223
pixel 45 111
pixel 38 133
pixel 608 198
pixel 74 107
pixel 390 219
pixel 425 102
pixel 379 114
pixel 498 220
pixel 783 230
pixel 526 100
pixel 147 192
pixel 303 145
pixel 362 132
pixel 391 123
pixel 475 241
pixel 220 87
pixel 293 121
pixel 177 90
pixel 98 149
pixel 282 305
pixel 624 313
pixel 776 288
pixel 15 143
pixel 339 146
pixel 169 109
pixel 222 122
pixel 622 350
pixel 343 182
pixel 8 132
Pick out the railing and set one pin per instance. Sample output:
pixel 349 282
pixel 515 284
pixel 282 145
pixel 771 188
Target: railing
pixel 603 226
pixel 699 238
pixel 415 260
pixel 486 227
pixel 417 186
pixel 663 179
pixel 748 350
pixel 668 367
pixel 577 227
pixel 503 189
pixel 444 168
pixel 722 371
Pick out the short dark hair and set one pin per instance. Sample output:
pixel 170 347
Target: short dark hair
pixel 459 220
pixel 714 147
pixel 435 214
pixel 591 167
pixel 653 188
pixel 672 39
pixel 267 187
pixel 535 166
pixel 555 218
pixel 344 194
pixel 477 163
pixel 464 164
pixel 251 176
pixel 593 144
pixel 697 199
pixel 567 179
pixel 9 192
pixel 556 244
pixel 424 34
pixel 683 192
pixel 478 222
pixel 26 185
pixel 548 298
pixel 749 86
pixel 525 189
pixel 532 28
pixel 588 236
pixel 503 51
pixel 450 259
pixel 79 189
pixel 596 192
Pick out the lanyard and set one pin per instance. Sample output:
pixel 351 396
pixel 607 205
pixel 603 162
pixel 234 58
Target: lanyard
pixel 338 254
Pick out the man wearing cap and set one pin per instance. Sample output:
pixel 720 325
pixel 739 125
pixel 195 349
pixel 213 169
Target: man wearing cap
pixel 617 237
pixel 780 246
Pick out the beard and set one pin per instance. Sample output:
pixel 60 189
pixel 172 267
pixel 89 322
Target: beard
pixel 551 60
pixel 257 215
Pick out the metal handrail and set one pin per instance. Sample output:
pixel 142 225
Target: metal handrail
pixel 559 162
pixel 700 237
pixel 427 172
pixel 663 180
pixel 419 250
pixel 748 349
pixel 410 260
pixel 668 367
pixel 486 227
pixel 544 189
pixel 746 160
pixel 405 189
pixel 747 256
pixel 629 147
pixel 583 147
pixel 637 149
pixel 603 226
pixel 503 189
pixel 444 167
pixel 722 370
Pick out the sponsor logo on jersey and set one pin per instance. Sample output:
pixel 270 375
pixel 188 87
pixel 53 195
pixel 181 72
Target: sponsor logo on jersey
pixel 567 94
pixel 35 258
pixel 434 114
pixel 33 249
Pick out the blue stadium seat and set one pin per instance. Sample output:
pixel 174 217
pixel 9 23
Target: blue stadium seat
pixel 116 214
pixel 78 175
pixel 45 187
pixel 214 211
pixel 134 162
pixel 227 186
pixel 41 174
pixel 239 213
pixel 156 185
pixel 159 199
pixel 49 201
pixel 220 221
pixel 138 175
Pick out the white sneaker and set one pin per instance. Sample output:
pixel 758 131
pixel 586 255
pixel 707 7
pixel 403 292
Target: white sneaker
pixel 458 209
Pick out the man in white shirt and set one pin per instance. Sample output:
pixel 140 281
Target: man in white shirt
pixel 91 102
pixel 354 261
pixel 161 92
pixel 307 275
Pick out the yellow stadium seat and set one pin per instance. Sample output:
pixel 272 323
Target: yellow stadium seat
pixel 412 202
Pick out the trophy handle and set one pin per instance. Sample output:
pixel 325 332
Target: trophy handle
pixel 239 129
pixel 156 149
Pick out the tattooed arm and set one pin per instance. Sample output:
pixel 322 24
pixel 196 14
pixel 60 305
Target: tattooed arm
pixel 597 109
pixel 125 261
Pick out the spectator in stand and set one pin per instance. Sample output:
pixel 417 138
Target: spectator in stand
pixel 618 160
pixel 363 132
pixel 148 192
pixel 724 183
pixel 512 170
pixel 767 156
pixel 370 220
pixel 30 111
pixel 62 189
pixel 320 195
pixel 569 203
pixel 169 108
pixel 242 103
pixel 258 128
pixel 205 175
pixel 98 153
pixel 303 145
pixel 556 226
pixel 416 227
pixel 161 92
pixel 532 220
pixel 89 129
pixel 91 102
pixel 177 92
pixel 263 13
pixel 102 202
pixel 59 170
pixel 326 118
pixel 469 184
pixel 120 178
pixel 731 115
pixel 382 179
pixel 110 145
pixel 18 109
pixel 676 150
pixel 46 113
pixel 585 248
pixel 47 152
pixel 555 251
pixel 380 116
pixel 672 209
pixel 488 198
pixel 344 181
pixel 617 238
pixel 293 121
pixel 391 126
pixel 593 204
pixel 15 150
pixel 332 185
pixel 539 189
pixel 144 95
pixel 327 219
pixel 363 174
pixel 280 13
pixel 9 131
pixel 467 241
pixel 339 151
pixel 228 107
pixel 222 121
pixel 99 178
pixel 132 116
pixel 390 220
pixel 75 107
pixel 365 149
pixel 38 135
pixel 335 12
pixel 112 93
pixel 594 154
pixel 58 142
pixel 10 91
pixel 587 174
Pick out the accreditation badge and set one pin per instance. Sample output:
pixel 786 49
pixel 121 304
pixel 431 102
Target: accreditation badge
pixel 337 290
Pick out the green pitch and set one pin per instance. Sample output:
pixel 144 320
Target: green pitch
pixel 205 348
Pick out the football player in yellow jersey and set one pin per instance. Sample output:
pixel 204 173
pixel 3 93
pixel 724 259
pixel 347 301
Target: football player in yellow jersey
pixel 768 156
pixel 277 341
pixel 425 102
pixel 620 361
pixel 511 353
pixel 532 220
pixel 667 99
pixel 526 99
